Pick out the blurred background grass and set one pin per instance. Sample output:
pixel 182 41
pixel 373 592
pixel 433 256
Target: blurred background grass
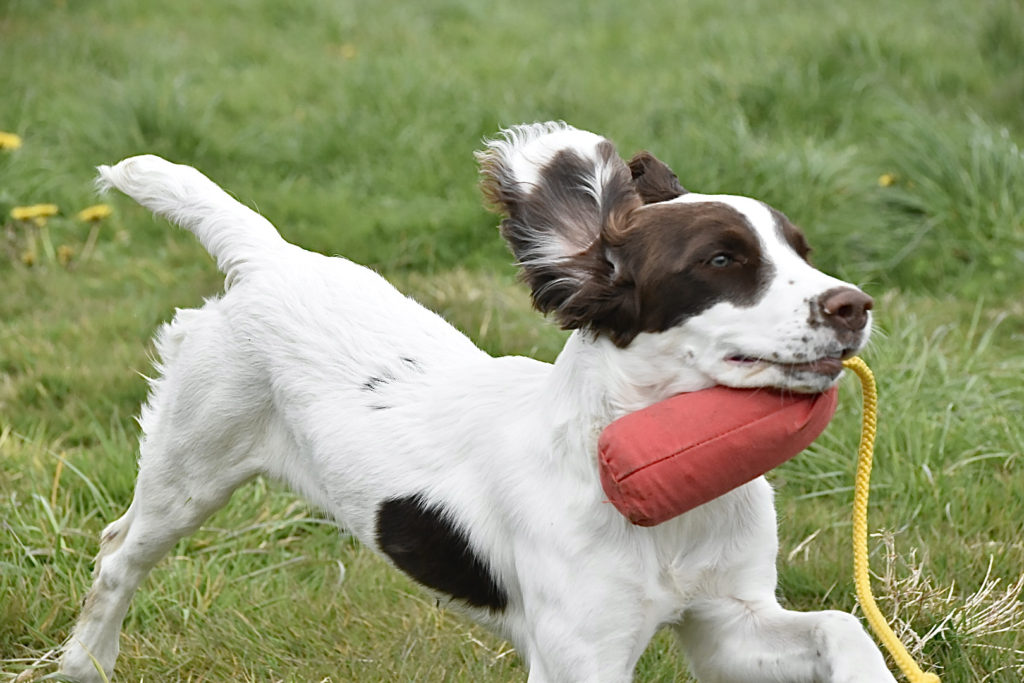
pixel 891 132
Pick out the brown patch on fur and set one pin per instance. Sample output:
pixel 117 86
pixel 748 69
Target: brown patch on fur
pixel 665 270
pixel 654 180
pixel 792 235
pixel 681 259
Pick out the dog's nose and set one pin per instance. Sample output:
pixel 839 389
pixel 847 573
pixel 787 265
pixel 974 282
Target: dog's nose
pixel 845 308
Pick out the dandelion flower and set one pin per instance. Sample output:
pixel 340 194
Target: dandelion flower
pixel 28 258
pixel 346 51
pixel 65 254
pixel 34 212
pixel 9 141
pixel 94 214
pixel 886 180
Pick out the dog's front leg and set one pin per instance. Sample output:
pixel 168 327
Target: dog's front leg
pixel 732 640
pixel 582 626
pixel 578 662
pixel 564 652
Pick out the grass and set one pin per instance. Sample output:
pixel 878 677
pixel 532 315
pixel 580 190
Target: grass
pixel 892 134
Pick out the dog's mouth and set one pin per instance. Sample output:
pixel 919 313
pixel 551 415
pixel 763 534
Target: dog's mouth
pixel 829 366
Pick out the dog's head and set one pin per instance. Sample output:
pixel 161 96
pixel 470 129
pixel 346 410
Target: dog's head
pixel 623 251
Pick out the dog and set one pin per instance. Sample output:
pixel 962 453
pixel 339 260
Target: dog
pixel 477 476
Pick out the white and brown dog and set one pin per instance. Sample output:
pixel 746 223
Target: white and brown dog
pixel 477 476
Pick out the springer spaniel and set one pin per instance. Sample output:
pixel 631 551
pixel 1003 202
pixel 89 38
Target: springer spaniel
pixel 478 476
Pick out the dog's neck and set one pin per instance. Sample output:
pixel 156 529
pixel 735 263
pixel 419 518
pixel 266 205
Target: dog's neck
pixel 594 382
pixel 598 381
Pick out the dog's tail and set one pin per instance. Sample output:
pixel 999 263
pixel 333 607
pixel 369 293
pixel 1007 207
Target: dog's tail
pixel 233 234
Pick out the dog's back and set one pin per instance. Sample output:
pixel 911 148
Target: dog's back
pixel 317 355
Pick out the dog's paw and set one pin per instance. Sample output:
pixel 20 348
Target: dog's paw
pixel 846 651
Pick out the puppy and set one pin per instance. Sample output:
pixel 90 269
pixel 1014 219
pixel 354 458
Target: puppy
pixel 477 476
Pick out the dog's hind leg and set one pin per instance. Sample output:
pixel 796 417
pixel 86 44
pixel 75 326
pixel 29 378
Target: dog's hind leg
pixel 203 431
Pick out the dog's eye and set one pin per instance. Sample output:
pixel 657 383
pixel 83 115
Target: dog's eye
pixel 721 260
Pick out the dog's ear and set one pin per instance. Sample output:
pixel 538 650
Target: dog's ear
pixel 567 199
pixel 654 180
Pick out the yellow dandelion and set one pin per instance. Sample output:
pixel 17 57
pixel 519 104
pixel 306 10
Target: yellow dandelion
pixel 94 214
pixel 886 180
pixel 346 51
pixel 34 212
pixel 28 258
pixel 9 141
pixel 65 254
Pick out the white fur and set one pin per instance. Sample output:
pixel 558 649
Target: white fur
pixel 528 148
pixel 269 380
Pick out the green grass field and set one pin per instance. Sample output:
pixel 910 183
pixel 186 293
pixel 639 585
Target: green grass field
pixel 891 132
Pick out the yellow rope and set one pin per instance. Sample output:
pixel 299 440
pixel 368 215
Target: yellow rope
pixel 860 529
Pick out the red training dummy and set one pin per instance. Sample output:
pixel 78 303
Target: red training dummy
pixel 661 461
